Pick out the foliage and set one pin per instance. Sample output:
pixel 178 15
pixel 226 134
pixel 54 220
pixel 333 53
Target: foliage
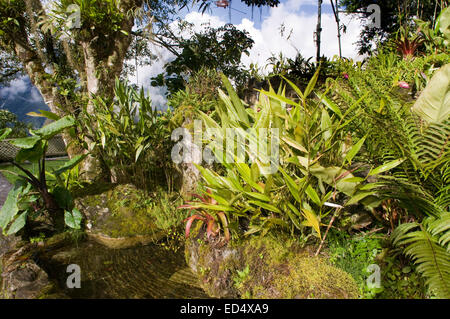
pixel 395 14
pixel 22 198
pixel 355 255
pixel 312 171
pixel 9 120
pixel 433 103
pixel 419 134
pixel 131 137
pixel 437 37
pixel 407 46
pixel 423 244
pixel 217 49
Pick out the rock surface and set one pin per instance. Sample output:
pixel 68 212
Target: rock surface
pixel 265 268
pixel 22 278
pixel 119 217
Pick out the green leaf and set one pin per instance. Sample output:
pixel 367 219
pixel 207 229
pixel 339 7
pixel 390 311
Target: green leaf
pixel 237 103
pixel 56 127
pixel 330 104
pixel 138 152
pixel 292 186
pixel 63 197
pixel 9 209
pixel 312 194
pixel 312 84
pixel 73 219
pixel 4 133
pixel 25 142
pixel 294 144
pixel 47 114
pixel 18 224
pixel 354 150
pixel 358 197
pixel 433 105
pixel 70 164
pixel 386 167
pixel 265 206
pixel 33 155
pixel 258 196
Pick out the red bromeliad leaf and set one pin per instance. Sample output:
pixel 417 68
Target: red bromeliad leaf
pixel 189 223
pixel 199 197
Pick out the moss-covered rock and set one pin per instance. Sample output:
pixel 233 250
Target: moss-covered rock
pixel 265 268
pixel 120 217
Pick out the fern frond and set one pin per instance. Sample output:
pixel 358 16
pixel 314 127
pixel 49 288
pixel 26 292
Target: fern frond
pixel 440 227
pixel 432 259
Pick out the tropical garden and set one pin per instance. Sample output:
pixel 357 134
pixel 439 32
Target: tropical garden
pixel 344 194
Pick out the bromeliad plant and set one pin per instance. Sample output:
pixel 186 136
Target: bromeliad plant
pixel 31 196
pixel 207 203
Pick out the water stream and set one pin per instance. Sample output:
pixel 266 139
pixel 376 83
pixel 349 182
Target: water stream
pixel 140 272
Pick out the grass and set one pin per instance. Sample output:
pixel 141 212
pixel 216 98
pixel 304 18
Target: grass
pixel 50 165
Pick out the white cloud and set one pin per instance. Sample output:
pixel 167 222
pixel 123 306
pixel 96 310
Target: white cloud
pixel 269 41
pixel 15 88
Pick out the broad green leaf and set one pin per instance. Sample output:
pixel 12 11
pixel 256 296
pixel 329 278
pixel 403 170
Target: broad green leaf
pixel 354 180
pixel 9 209
pixel 433 105
pixel 73 219
pixel 313 221
pixel 33 155
pixel 56 127
pixel 25 142
pixel 386 167
pixel 63 197
pixel 18 224
pixel 355 199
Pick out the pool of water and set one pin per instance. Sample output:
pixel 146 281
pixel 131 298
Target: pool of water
pixel 141 272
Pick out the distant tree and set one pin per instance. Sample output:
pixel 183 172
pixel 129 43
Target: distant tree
pixel 9 120
pixel 217 49
pixel 394 14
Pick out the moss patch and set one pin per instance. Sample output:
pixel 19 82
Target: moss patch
pixel 266 267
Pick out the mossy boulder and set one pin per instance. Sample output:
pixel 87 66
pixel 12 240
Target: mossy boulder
pixel 265 268
pixel 120 217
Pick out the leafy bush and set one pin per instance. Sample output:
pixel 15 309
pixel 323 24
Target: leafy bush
pixel 131 138
pixel 394 127
pixel 312 170
pixel 31 197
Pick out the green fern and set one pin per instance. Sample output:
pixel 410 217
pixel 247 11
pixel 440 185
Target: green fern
pixel 423 246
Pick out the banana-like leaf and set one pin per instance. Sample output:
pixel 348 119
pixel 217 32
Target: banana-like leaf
pixel 56 127
pixel 433 105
